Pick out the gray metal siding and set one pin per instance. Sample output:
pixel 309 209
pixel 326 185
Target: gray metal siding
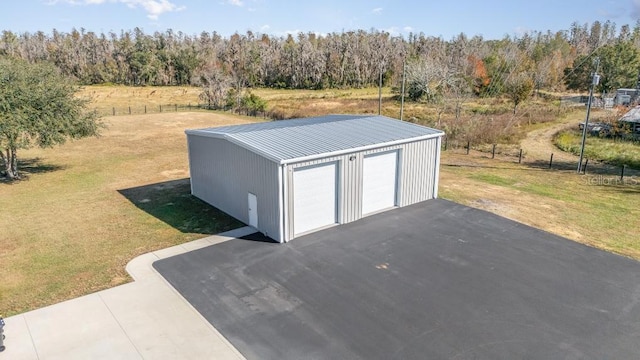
pixel 417 178
pixel 352 200
pixel 290 184
pixel 349 186
pixel 419 171
pixel 222 174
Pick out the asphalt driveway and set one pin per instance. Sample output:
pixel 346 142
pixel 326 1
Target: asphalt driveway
pixel 435 280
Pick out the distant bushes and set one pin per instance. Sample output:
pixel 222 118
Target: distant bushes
pixel 612 151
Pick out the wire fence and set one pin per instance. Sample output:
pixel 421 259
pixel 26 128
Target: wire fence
pixel 509 153
pixel 559 161
pixel 164 108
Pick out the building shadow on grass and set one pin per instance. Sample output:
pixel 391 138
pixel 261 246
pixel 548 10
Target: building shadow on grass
pixel 29 167
pixel 172 203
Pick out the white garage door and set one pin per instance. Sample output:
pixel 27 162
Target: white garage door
pixel 314 197
pixel 379 181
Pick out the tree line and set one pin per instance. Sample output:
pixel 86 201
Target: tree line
pixel 474 65
pixel 39 72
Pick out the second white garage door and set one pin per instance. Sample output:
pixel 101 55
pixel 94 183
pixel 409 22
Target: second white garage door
pixel 379 181
pixel 314 197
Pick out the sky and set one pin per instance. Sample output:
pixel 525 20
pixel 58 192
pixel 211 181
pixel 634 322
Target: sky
pixel 491 19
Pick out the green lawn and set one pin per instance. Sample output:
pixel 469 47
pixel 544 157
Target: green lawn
pixel 612 151
pixel 87 208
pixel 598 210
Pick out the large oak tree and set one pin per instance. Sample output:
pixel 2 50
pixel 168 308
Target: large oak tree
pixel 38 107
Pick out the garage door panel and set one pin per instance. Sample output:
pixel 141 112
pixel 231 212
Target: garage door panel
pixel 314 197
pixel 379 182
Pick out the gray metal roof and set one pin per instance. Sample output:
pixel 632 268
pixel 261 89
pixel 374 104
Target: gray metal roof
pixel 293 140
pixel 632 115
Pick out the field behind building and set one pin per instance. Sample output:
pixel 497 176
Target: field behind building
pixel 88 207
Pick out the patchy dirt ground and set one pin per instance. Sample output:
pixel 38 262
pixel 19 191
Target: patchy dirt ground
pixel 597 209
pixel 539 143
pixel 507 201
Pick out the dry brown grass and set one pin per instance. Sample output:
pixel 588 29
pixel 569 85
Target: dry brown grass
pixel 594 209
pixel 105 98
pixel 90 206
pixel 481 121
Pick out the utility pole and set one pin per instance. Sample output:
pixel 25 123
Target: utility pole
pixel 595 79
pixel 404 65
pixel 380 92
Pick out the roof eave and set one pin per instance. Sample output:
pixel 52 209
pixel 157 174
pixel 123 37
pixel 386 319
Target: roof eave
pixel 281 161
pixel 360 148
pixel 233 140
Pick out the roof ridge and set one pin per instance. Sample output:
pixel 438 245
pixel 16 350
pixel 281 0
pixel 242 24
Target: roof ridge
pixel 307 137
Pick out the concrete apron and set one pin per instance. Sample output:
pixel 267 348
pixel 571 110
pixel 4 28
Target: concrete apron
pixel 144 319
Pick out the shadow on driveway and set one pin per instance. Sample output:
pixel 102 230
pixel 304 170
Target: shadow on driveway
pixel 436 280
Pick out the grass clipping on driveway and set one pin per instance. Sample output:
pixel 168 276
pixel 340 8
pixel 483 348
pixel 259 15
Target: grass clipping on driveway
pixel 90 206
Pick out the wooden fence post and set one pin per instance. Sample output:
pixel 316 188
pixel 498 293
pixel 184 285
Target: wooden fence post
pixel 584 169
pixel 176 107
pixel 622 174
pixel 145 109
pixel 468 146
pixel 129 110
pixel 493 151
pixel 520 157
pixel 114 111
pixel 551 161
pixel 160 108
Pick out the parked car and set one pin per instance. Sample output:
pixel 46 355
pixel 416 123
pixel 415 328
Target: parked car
pixel 597 128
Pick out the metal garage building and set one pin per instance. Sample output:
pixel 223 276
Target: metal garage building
pixel 288 178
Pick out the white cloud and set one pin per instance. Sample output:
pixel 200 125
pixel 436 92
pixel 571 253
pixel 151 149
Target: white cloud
pixel 392 30
pixel 521 30
pixel 264 28
pixel 296 32
pixel 154 8
pixel 395 30
pixel 377 10
pixel 236 2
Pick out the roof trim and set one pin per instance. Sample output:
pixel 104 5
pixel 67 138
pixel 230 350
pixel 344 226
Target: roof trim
pixel 314 156
pixel 359 149
pixel 233 140
pixel 382 135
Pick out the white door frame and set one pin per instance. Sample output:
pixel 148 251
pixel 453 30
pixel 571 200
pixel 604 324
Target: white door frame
pixel 252 202
pixel 373 200
pixel 327 192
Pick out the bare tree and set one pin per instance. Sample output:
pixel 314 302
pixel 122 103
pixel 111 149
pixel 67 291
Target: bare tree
pixel 215 87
